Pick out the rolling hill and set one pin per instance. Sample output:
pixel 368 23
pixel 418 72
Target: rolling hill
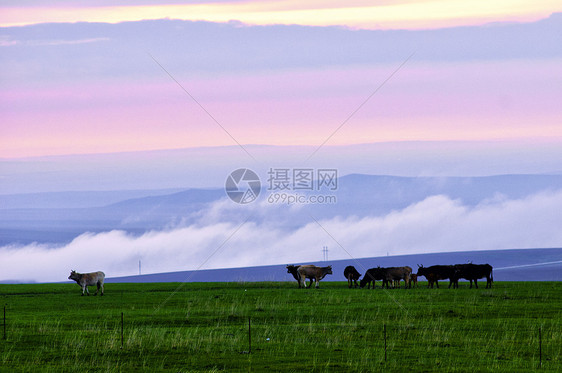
pixel 509 265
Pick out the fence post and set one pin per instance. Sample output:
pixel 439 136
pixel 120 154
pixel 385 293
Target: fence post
pixel 384 332
pixel 540 348
pixel 121 329
pixel 249 335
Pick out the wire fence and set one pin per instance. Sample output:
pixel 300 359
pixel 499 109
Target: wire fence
pixel 509 345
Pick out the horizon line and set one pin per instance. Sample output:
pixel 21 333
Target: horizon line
pixel 528 140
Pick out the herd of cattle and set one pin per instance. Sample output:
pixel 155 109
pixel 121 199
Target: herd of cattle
pixel 391 276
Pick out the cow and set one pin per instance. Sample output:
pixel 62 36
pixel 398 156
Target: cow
pixel 472 272
pixel 293 269
pixel 414 279
pixel 435 273
pixel 312 271
pixel 351 275
pixel 372 275
pixel 393 275
pixel 88 279
pixel 408 283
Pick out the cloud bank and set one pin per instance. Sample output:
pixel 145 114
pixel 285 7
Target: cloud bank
pixel 223 238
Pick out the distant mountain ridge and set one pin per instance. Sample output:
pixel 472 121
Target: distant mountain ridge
pixel 75 199
pixel 357 195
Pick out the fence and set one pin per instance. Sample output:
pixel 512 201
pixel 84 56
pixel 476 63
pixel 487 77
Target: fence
pixel 428 344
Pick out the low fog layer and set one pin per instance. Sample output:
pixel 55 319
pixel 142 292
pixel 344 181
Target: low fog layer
pixel 228 235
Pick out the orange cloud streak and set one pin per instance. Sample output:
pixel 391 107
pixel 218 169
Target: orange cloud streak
pixel 355 14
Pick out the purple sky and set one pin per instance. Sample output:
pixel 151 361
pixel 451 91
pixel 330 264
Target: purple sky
pixel 93 88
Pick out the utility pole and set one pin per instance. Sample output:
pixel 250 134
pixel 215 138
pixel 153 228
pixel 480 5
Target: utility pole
pixel 325 253
pixel 139 267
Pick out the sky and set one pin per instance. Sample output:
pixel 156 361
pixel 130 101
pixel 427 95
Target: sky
pixel 397 14
pixel 112 95
pixel 134 76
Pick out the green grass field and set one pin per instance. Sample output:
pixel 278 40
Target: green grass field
pixel 204 327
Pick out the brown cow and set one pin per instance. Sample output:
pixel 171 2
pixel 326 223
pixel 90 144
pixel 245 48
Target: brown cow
pixel 293 269
pixel 317 272
pixel 88 279
pixel 407 283
pixel 393 274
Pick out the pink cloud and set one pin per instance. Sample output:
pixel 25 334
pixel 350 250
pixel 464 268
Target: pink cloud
pixel 482 101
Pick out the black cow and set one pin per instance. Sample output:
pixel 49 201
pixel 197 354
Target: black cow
pixel 351 275
pixel 372 274
pixel 472 272
pixel 414 280
pixel 435 273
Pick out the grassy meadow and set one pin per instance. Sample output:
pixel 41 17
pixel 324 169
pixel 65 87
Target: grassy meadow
pixel 204 327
